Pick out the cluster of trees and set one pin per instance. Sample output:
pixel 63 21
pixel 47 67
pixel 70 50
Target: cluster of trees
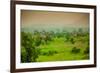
pixel 29 51
pixel 30 45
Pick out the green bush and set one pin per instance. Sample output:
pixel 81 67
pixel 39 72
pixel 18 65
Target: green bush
pixel 72 41
pixel 75 50
pixel 86 51
pixel 29 52
pixel 49 53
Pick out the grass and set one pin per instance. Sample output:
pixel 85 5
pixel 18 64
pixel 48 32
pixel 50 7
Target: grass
pixel 63 50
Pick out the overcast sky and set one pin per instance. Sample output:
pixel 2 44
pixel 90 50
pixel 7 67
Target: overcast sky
pixel 49 19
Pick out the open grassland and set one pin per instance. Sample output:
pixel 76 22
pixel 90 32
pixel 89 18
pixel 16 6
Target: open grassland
pixel 59 50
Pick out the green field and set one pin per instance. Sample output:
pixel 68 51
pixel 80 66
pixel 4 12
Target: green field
pixel 61 46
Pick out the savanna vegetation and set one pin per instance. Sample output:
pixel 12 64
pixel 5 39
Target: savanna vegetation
pixel 43 46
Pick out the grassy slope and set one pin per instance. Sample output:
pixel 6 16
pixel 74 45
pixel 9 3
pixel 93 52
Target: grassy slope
pixel 63 50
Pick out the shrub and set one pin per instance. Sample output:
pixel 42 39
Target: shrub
pixel 30 53
pixel 49 53
pixel 72 41
pixel 44 53
pixel 86 51
pixel 75 50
